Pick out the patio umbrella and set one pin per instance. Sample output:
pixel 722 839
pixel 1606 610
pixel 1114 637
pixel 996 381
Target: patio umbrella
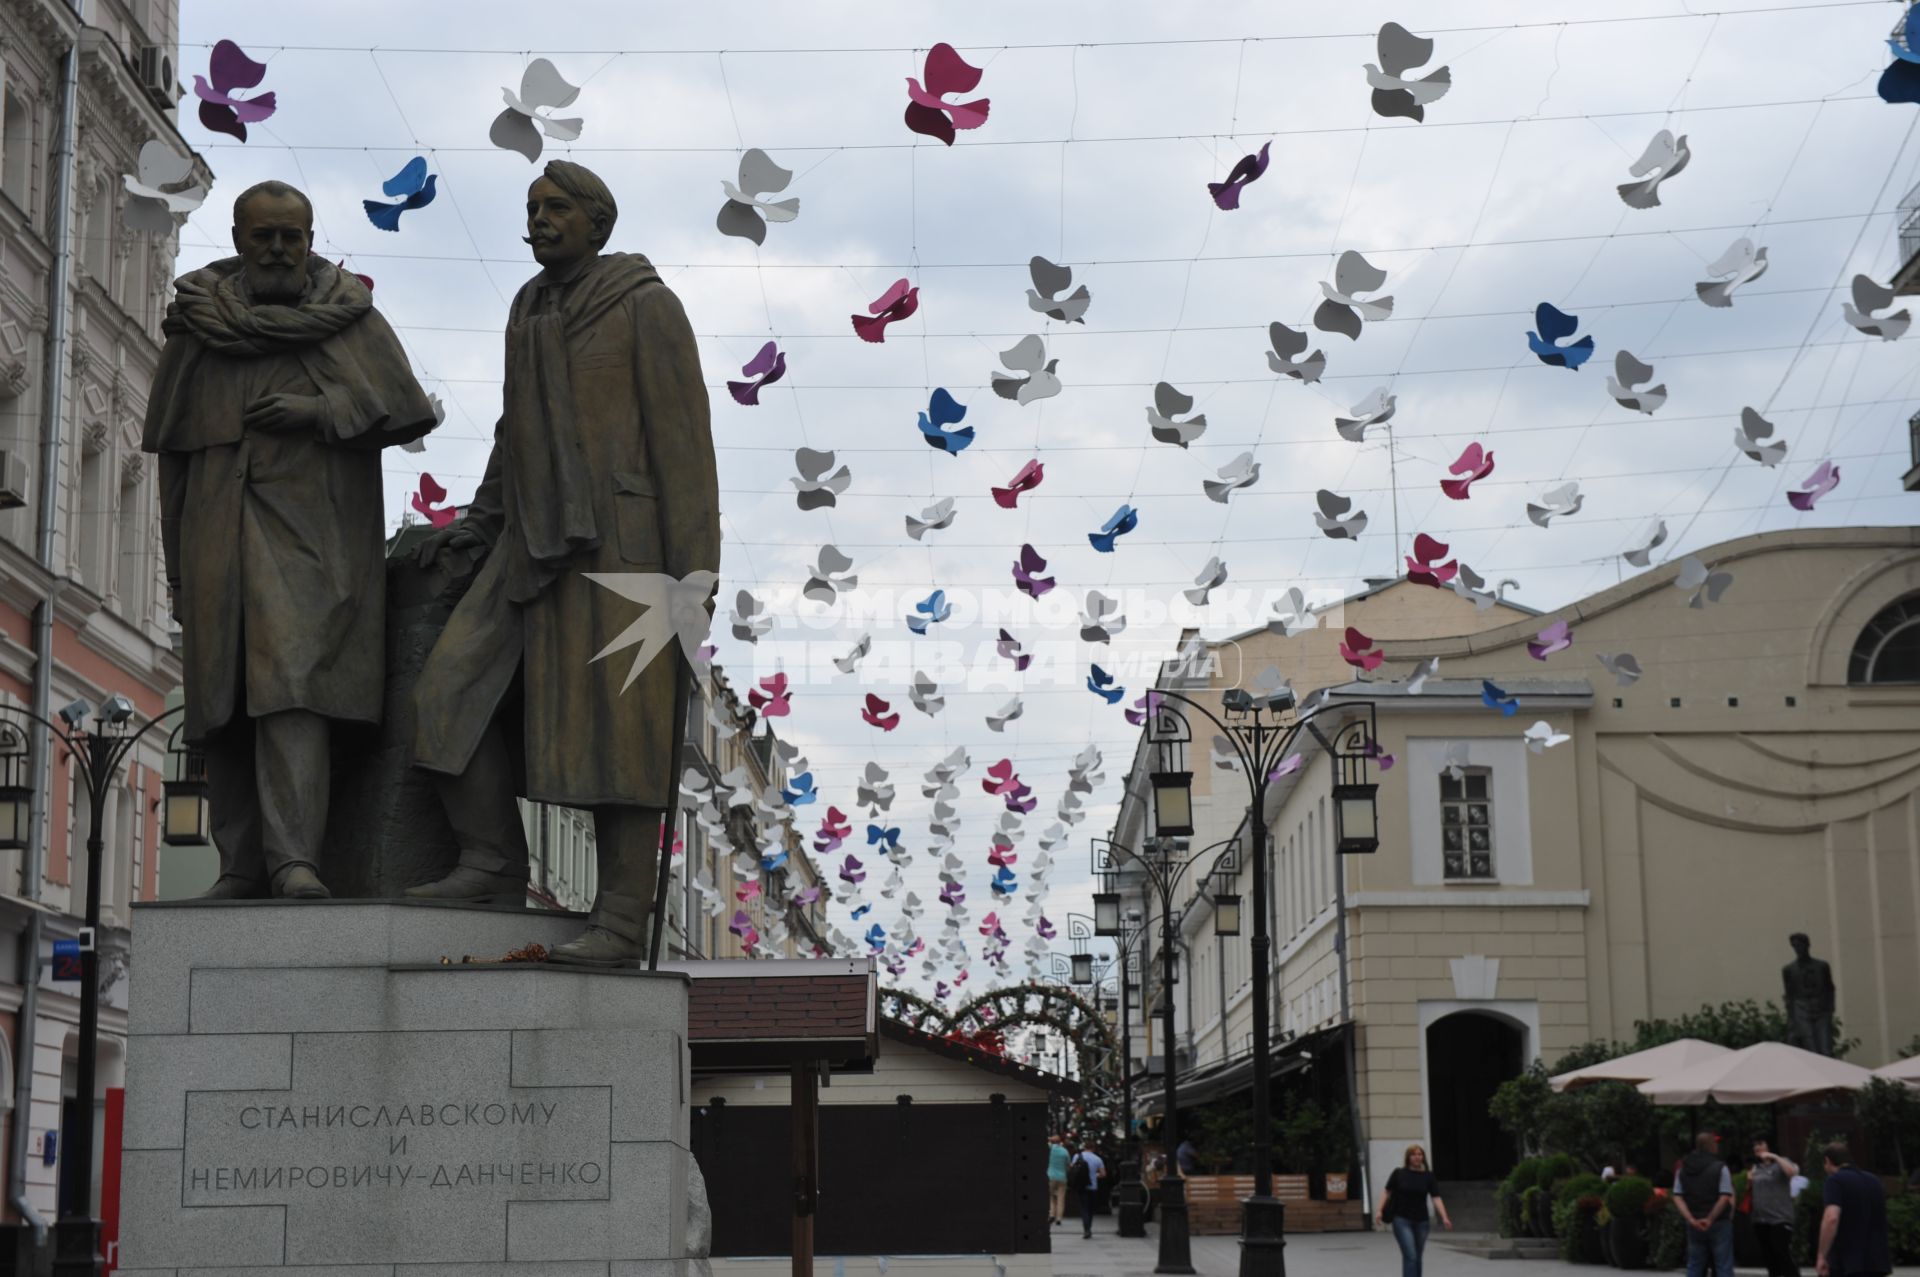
pixel 1641 1065
pixel 1907 1070
pixel 1764 1073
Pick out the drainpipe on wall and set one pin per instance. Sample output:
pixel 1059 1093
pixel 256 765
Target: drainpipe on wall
pixel 53 382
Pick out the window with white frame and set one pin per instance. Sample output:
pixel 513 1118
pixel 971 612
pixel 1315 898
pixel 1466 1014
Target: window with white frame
pixel 1466 825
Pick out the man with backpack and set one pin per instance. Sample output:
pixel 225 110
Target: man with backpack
pixel 1083 1177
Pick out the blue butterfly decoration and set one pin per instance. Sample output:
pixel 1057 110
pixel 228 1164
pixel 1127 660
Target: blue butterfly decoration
pixel 1900 82
pixel 1102 684
pixel 930 611
pixel 943 411
pixel 888 837
pixel 1555 324
pixel 862 911
pixel 769 864
pixel 799 791
pixel 1493 698
pixel 877 938
pixel 413 184
pixel 1124 520
pixel 1004 883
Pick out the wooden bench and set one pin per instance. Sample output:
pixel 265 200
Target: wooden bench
pixel 1213 1206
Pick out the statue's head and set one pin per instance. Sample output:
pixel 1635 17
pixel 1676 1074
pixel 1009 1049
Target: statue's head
pixel 1800 943
pixel 273 232
pixel 570 215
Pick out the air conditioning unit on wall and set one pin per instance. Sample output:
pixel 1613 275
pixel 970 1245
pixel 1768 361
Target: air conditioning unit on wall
pixel 156 77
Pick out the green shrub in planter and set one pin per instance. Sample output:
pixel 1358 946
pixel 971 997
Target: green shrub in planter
pixel 1580 1234
pixel 1530 1211
pixel 1554 1169
pixel 1903 1228
pixel 1506 1197
pixel 1627 1199
pixel 1566 1194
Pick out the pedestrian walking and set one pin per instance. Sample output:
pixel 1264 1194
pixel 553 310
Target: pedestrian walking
pixel 1770 1188
pixel 1057 1160
pixel 1853 1220
pixel 1703 1193
pixel 1084 1174
pixel 1187 1156
pixel 1403 1204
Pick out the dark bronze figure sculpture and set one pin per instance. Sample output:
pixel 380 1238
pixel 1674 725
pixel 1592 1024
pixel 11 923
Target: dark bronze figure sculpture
pixel 1808 984
pixel 278 386
pixel 602 462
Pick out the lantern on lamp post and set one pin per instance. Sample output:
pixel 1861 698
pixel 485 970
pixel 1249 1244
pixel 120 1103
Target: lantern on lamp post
pixel 1083 968
pixel 185 818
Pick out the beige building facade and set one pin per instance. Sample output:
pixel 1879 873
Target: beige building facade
pixel 1759 779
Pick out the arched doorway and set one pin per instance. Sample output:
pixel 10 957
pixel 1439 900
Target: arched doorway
pixel 1469 1054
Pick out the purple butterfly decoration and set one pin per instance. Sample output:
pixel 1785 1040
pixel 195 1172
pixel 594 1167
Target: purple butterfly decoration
pixel 1226 195
pixel 1026 570
pixel 1044 929
pixel 767 367
pixel 232 69
pixel 1817 485
pixel 850 870
pixel 1557 637
pixel 953 895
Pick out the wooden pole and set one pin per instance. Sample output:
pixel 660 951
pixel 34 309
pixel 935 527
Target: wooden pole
pixel 806 1163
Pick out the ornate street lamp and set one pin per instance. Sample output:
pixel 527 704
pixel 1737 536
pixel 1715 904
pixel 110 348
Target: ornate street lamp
pixel 185 820
pixel 1106 913
pixel 1083 968
pixel 1226 914
pixel 1355 819
pixel 1173 804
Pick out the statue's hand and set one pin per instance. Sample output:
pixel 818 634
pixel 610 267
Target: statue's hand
pixel 454 536
pixel 283 413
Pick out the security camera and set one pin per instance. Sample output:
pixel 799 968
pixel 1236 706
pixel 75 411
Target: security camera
pixel 75 715
pixel 118 709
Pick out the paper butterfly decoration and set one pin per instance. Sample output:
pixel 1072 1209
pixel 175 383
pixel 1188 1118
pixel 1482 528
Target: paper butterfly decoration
pixel 1555 324
pixel 1226 195
pixel 1102 684
pixel 1900 82
pixel 1748 434
pixel 1242 472
pixel 1475 463
pixel 743 927
pixel 1291 615
pixel 899 301
pixel 1818 484
pixel 943 411
pixel 1028 356
pixel 1868 297
pixel 674 609
pixel 1471 586
pixel 1628 373
pixel 1393 94
pixel 232 69
pixel 774 863
pixel 851 870
pixel 1457 760
pixel 799 790
pixel 1121 522
pixel 1741 264
pixel 1143 709
pixel 1560 501
pixel 518 128
pixel 1654 537
pixel 150 205
pixel 1049 281
pixel 1009 647
pixel 832 573
pixel 1376 409
pixel 1025 480
pixel 427 499
pixel 1026 573
pixel 1665 156
pixel 413 185
pixel 1169 403
pixel 750 618
pixel 1707 586
pixel 1225 757
pixel 1011 710
pixel 1101 619
pixel 765 368
pixel 1557 637
pixel 1423 566
pixel 1541 737
pixel 937 517
pixel 1044 929
pixel 772 698
pixel 1358 651
pixel 878 714
pixel 1004 883
pixel 885 836
pixel 1212 577
pixel 928 111
pixel 857 653
pixel 1624 668
pixel 929 611
pixel 745 215
pixel 923 692
pixel 1289 765
pixel 1422 671
pixel 814 488
pixel 1342 311
pixel 1333 517
pixel 1494 698
pixel 1288 343
pixel 747 891
pixel 1001 778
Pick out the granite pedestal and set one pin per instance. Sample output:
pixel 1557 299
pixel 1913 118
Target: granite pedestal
pixel 310 1090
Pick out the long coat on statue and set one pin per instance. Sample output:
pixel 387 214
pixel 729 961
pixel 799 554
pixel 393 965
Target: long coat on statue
pixel 275 541
pixel 602 462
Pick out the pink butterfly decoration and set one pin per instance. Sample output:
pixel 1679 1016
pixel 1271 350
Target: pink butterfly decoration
pixel 929 113
pixel 876 714
pixel 1475 463
pixel 1358 651
pixel 1026 480
pixel 1423 566
pixel 1817 485
pixel 231 69
pixel 1557 637
pixel 430 495
pixel 897 302
pixel 772 698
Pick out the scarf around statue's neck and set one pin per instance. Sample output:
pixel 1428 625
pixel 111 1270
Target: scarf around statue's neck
pixel 212 304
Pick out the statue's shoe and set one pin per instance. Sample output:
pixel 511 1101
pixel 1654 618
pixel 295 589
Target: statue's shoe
pixel 232 887
pixel 597 947
pixel 475 886
pixel 298 882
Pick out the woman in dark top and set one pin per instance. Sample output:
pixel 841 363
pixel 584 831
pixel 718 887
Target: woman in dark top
pixel 1404 1201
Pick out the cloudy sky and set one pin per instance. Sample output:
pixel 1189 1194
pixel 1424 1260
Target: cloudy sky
pixel 1107 121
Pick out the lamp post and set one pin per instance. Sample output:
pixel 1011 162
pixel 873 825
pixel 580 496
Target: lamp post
pixel 98 753
pixel 1129 1193
pixel 1164 866
pixel 1260 730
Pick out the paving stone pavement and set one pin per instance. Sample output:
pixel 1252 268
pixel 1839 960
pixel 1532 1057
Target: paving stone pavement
pixel 1308 1255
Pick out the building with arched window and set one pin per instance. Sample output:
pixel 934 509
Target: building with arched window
pixel 1759 777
